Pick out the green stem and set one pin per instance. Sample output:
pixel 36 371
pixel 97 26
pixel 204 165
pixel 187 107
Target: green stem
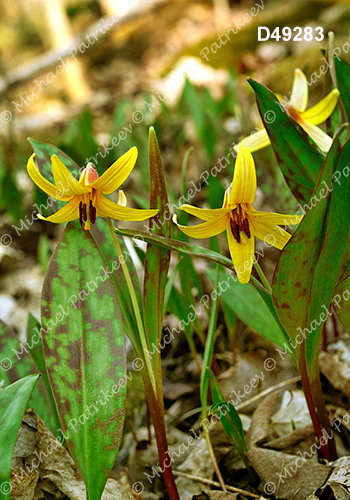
pixel 310 402
pixel 134 304
pixel 262 277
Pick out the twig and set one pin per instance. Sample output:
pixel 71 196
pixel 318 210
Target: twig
pixel 214 483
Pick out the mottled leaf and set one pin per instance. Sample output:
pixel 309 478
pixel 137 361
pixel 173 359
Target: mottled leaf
pixel 13 402
pixel 298 157
pixel 84 350
pixel 308 267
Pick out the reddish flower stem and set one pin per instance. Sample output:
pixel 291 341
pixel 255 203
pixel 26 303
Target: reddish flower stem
pixel 310 402
pixel 156 408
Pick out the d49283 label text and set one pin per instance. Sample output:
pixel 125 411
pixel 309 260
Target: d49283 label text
pixel 296 34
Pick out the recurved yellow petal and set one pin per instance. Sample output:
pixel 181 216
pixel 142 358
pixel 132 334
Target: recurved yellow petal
pixel 300 91
pixel 205 230
pixel 242 254
pixel 243 189
pixel 321 111
pixel 116 174
pixel 44 184
pixel 272 235
pixel 69 212
pixel 254 141
pixel 273 218
pixel 107 208
pixel 322 140
pixel 64 179
pixel 204 213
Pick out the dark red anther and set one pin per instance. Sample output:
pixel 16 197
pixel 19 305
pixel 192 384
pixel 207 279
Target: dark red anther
pixel 84 212
pixel 81 214
pixel 239 221
pixel 92 212
pixel 93 215
pixel 90 209
pixel 246 227
pixel 235 231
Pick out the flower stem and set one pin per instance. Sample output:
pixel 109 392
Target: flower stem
pixel 262 277
pixel 310 402
pixel 156 408
pixel 134 304
pixel 316 389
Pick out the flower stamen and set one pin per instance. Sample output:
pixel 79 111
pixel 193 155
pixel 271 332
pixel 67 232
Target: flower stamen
pixel 246 227
pixel 92 213
pixel 235 230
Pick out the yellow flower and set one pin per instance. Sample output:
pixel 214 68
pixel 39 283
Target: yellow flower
pixel 240 220
pixel 85 200
pixel 307 118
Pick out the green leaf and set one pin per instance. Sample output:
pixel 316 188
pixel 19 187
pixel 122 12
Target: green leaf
pixel 249 306
pixel 195 107
pixel 209 348
pixel 84 350
pixel 342 69
pixel 35 348
pixel 308 267
pixel 178 246
pixel 170 285
pixel 16 362
pixel 340 301
pixel 157 259
pixel 298 157
pixel 13 403
pixel 229 418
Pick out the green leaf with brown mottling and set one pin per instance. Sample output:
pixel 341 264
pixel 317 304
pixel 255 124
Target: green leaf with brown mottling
pixel 16 362
pixel 157 259
pixel 313 256
pixel 13 402
pixel 84 350
pixel 298 157
pixel 43 159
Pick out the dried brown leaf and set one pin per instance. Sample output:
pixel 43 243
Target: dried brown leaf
pixel 338 484
pixel 336 368
pixel 287 476
pixel 291 439
pixel 260 423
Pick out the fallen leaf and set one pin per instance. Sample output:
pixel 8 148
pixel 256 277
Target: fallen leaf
pixel 287 476
pixel 259 428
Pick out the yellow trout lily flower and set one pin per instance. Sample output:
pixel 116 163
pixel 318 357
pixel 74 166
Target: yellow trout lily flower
pixel 307 118
pixel 84 197
pixel 240 220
